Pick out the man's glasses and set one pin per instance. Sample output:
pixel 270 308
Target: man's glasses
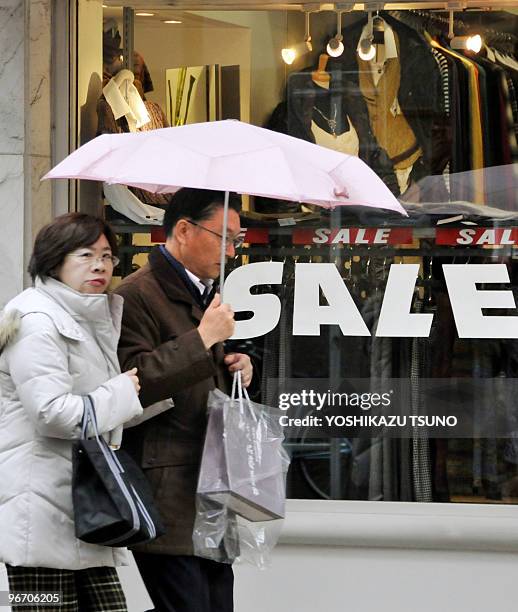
pixel 87 258
pixel 235 242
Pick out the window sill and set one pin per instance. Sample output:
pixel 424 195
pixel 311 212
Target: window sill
pixel 469 527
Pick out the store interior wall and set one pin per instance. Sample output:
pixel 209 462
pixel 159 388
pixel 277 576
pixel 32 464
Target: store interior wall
pixel 197 43
pixel 268 30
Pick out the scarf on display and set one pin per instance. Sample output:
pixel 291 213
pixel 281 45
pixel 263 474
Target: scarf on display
pixel 125 100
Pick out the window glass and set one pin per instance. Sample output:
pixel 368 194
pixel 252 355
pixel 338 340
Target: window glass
pixel 406 325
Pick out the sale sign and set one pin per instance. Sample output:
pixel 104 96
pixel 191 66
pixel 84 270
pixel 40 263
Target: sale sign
pixel 357 236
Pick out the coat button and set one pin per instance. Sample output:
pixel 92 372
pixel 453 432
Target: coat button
pixel 175 346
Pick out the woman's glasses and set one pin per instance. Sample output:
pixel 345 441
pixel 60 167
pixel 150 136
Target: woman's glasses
pixel 87 258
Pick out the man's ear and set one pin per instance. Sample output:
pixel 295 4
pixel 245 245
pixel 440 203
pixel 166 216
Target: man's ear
pixel 181 231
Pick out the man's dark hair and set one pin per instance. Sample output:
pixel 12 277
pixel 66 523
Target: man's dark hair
pixel 196 205
pixel 64 235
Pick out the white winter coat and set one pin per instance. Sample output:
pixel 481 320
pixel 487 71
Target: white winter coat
pixel 56 345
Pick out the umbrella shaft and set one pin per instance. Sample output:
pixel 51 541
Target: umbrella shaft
pixel 223 246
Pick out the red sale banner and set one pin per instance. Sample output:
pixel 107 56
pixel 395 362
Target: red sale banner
pixel 478 236
pixel 358 236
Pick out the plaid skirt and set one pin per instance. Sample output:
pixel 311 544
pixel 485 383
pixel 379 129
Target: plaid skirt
pixel 96 589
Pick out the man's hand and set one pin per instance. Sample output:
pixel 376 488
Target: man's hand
pixel 217 323
pixel 240 361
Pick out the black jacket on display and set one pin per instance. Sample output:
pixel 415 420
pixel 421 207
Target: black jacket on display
pixel 295 114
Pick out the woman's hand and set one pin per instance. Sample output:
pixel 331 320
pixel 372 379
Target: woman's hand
pixel 134 378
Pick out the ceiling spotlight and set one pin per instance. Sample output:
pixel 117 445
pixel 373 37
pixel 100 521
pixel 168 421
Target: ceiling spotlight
pixel 474 43
pixel 467 43
pixel 335 47
pixel 464 43
pixel 145 14
pixel 172 21
pixel 366 49
pixel 288 55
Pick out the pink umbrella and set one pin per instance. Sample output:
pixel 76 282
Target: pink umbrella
pixel 229 156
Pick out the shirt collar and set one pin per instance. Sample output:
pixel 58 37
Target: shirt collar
pixel 201 285
pixel 196 282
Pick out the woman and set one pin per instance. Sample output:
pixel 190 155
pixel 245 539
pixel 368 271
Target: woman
pixel 58 342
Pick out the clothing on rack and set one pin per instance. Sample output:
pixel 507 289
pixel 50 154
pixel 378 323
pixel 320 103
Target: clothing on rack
pixel 114 117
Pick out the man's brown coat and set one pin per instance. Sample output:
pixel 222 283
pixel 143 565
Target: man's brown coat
pixel 159 337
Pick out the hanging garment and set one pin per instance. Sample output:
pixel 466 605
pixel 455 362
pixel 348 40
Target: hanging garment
pixel 419 99
pixel 421 462
pixel 121 199
pixel 474 112
pixel 125 101
pixel 348 142
pixel 379 84
pixel 141 72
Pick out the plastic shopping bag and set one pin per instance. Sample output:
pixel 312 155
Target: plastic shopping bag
pixel 242 480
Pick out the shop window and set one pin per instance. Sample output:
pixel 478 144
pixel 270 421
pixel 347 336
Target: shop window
pixel 438 123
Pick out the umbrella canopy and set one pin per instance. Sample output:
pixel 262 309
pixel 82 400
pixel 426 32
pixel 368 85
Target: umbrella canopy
pixel 229 156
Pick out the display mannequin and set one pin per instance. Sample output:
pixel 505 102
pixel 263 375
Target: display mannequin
pixel 122 104
pixel 330 124
pixel 308 113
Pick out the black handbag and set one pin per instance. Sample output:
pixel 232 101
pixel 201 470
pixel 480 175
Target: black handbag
pixel 113 503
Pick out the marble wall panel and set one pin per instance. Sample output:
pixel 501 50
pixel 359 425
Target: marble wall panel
pixel 38 104
pixel 40 194
pixel 12 32
pixel 11 226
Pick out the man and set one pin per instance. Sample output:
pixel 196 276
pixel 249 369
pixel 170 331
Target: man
pixel 175 340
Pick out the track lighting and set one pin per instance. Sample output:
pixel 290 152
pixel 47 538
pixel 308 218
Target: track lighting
pixel 464 43
pixel 335 47
pixel 290 53
pixel 467 43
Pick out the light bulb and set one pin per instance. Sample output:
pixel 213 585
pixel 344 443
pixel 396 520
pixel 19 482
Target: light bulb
pixel 474 43
pixel 367 50
pixel 288 55
pixel 470 43
pixel 335 47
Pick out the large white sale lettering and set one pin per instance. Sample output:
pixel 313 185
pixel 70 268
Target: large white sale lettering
pixel 396 320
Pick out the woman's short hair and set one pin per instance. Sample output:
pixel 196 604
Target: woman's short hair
pixel 64 235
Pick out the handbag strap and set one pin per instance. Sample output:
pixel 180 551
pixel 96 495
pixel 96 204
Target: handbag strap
pixel 89 416
pixel 114 465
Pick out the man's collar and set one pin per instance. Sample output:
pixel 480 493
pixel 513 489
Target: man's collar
pixel 172 276
pixel 197 282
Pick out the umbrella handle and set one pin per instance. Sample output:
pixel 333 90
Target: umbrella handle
pixel 223 247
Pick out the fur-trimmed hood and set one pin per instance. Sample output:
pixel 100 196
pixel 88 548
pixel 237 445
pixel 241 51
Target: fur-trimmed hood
pixel 9 326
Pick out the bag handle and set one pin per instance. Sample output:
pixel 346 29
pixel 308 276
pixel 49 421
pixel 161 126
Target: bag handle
pixel 240 393
pixel 89 416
